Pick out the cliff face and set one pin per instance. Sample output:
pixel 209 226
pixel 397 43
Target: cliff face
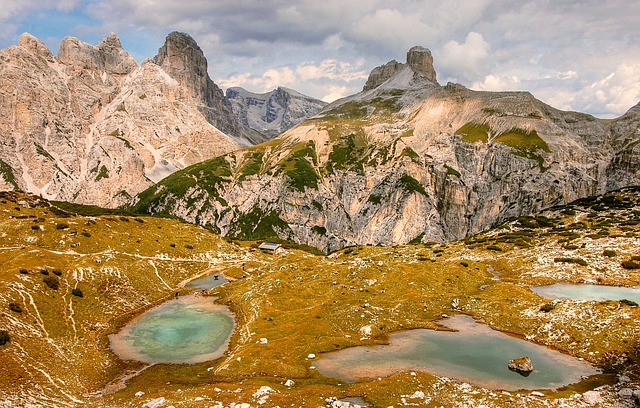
pixel 91 126
pixel 273 112
pixel 406 159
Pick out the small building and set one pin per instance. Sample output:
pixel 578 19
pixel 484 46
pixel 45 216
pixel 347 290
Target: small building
pixel 269 246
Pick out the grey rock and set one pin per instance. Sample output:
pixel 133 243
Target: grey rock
pixel 592 397
pixel 521 365
pixel 155 403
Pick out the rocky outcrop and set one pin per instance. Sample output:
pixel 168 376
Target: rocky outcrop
pixel 91 126
pixel 419 60
pixel 408 160
pixel 183 60
pixel 522 365
pixel 273 112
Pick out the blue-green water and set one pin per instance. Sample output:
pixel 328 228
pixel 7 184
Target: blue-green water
pixel 588 292
pixel 475 354
pixel 207 282
pixel 185 330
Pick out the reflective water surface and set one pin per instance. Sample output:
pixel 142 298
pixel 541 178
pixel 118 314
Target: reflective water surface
pixel 588 292
pixel 475 354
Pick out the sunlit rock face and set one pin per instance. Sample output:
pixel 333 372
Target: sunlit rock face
pixel 92 126
pixel 406 160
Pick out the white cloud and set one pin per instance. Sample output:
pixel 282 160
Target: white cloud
pixel 469 58
pixel 392 30
pixel 497 83
pixel 562 51
pixel 613 94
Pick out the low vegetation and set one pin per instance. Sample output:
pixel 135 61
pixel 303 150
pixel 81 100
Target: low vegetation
pixel 125 267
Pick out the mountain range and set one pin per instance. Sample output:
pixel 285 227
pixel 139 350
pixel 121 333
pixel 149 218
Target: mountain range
pixel 272 113
pixel 405 160
pixel 89 125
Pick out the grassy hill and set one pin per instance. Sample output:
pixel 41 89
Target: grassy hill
pixel 306 304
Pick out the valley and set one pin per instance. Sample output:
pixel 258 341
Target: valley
pixel 58 353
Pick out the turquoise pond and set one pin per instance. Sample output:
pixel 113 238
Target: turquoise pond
pixel 188 329
pixel 474 353
pixel 588 292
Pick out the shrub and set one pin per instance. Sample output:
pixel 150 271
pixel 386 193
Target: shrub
pixel 609 253
pixel 547 307
pixel 628 302
pixel 172 245
pixel 140 220
pixel 35 227
pixel 14 307
pixel 76 292
pixel 51 281
pixel 57 272
pixel 44 271
pixel 4 337
pixel 62 226
pixel 24 271
pixel 465 264
pixel 86 234
pixel 631 264
pixel 188 246
pixel 578 261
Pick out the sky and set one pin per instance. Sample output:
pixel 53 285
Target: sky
pixel 574 55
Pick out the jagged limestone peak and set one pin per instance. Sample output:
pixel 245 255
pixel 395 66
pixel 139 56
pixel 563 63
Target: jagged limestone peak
pixel 34 45
pixel 419 59
pixel 110 42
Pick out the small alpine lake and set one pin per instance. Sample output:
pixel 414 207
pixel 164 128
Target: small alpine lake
pixel 474 353
pixel 588 292
pixel 207 282
pixel 186 330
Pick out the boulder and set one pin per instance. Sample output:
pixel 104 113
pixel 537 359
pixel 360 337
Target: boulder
pixel 155 403
pixel 592 397
pixel 522 365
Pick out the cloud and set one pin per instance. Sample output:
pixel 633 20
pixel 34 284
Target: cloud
pixel 330 79
pixel 612 94
pixel 391 29
pixel 562 51
pixel 497 83
pixel 467 59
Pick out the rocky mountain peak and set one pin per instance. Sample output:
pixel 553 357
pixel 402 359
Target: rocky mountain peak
pixel 35 46
pixel 272 112
pixel 419 59
pixel 184 61
pixel 111 42
pixel 108 56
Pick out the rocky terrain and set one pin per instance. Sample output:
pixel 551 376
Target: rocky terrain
pixel 405 160
pixel 273 112
pixel 57 353
pixel 89 125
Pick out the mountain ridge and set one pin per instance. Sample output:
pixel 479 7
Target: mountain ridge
pixel 271 113
pixel 90 125
pixel 405 160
